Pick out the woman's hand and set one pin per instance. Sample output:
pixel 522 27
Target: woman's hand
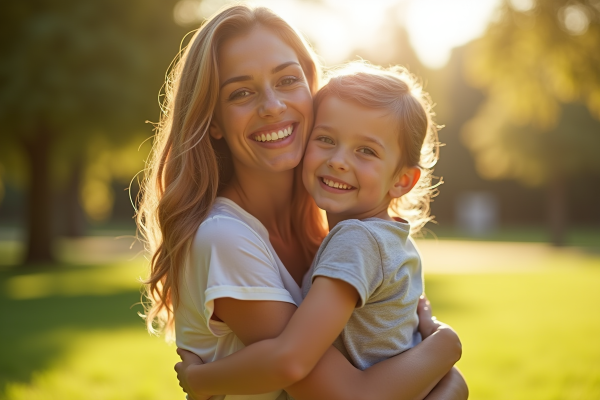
pixel 187 359
pixel 453 385
pixel 428 324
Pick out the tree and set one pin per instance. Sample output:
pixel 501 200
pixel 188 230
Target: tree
pixel 540 68
pixel 74 72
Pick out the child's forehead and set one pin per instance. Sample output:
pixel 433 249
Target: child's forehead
pixel 351 115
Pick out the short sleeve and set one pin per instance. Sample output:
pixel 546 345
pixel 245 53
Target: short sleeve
pixel 352 255
pixel 235 262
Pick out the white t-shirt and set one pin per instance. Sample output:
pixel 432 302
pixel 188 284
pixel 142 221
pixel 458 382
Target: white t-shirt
pixel 230 256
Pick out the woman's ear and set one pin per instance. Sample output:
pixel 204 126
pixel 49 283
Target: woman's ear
pixel 405 181
pixel 214 130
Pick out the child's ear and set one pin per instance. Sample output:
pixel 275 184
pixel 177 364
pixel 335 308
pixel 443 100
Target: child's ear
pixel 214 130
pixel 405 181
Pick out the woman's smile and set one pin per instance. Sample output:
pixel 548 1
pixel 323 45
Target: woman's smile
pixel 265 108
pixel 279 135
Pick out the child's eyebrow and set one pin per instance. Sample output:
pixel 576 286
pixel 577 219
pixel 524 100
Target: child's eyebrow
pixel 326 128
pixel 366 138
pixel 372 139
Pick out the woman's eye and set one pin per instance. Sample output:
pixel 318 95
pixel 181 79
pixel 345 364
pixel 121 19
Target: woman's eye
pixel 288 80
pixel 325 139
pixel 240 94
pixel 367 150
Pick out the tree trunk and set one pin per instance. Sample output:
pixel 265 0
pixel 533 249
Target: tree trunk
pixel 74 218
pixel 557 209
pixel 39 216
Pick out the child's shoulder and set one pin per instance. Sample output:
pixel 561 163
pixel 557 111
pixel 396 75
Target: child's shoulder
pixel 374 226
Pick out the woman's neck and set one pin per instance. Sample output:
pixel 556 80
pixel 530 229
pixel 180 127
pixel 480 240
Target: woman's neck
pixel 266 195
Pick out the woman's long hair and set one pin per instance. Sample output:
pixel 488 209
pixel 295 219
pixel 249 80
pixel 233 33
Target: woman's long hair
pixel 187 168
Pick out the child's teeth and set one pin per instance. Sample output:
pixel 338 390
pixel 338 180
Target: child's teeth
pixel 280 134
pixel 336 185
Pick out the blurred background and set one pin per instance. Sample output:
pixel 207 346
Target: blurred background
pixel 512 262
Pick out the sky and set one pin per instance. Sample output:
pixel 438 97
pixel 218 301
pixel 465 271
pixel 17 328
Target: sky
pixel 336 27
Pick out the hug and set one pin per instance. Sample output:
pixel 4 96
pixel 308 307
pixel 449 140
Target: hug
pixel 265 297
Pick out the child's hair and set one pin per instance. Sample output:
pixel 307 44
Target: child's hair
pixel 397 90
pixel 187 168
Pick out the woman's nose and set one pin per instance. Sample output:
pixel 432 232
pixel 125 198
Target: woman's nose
pixel 271 105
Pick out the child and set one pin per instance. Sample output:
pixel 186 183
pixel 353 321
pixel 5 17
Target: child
pixel 368 157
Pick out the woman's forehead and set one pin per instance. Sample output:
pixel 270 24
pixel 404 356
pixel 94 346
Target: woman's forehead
pixel 259 51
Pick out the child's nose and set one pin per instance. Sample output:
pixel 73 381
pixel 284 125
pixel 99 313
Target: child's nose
pixel 338 161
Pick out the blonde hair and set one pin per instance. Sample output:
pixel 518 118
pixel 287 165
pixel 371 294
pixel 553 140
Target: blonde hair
pixel 399 91
pixel 186 169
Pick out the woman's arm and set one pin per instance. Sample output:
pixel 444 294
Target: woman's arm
pixel 452 386
pixel 276 363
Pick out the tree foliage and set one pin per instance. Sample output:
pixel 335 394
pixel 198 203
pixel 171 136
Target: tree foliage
pixel 540 68
pixel 78 79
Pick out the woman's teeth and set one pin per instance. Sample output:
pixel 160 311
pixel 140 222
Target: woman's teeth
pixel 336 185
pixel 271 136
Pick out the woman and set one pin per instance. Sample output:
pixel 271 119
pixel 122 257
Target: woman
pixel 227 269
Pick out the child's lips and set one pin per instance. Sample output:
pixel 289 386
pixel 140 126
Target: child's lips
pixel 335 184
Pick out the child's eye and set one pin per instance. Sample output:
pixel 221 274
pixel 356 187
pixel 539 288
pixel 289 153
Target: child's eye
pixel 367 150
pixel 240 94
pixel 325 139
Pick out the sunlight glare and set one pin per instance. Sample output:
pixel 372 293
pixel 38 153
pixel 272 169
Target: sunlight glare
pixel 437 26
pixel 336 28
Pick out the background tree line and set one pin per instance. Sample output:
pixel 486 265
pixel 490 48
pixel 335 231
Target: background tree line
pixel 521 107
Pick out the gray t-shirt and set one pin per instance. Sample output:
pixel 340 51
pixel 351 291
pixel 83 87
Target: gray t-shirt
pixel 380 260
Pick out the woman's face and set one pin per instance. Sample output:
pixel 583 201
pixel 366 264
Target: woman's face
pixel 264 111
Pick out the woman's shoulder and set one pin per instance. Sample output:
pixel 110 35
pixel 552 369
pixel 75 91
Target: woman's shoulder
pixel 229 225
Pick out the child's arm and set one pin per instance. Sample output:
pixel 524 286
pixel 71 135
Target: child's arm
pixel 276 363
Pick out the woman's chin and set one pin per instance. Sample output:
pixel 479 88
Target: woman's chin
pixel 285 162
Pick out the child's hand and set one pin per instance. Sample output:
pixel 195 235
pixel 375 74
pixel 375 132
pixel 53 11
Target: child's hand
pixel 187 359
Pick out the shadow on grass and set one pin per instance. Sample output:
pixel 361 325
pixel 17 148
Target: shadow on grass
pixel 37 332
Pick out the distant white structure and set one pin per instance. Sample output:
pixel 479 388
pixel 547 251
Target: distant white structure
pixel 477 213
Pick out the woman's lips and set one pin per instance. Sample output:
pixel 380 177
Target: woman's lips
pixel 274 135
pixel 286 131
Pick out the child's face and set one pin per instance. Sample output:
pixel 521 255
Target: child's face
pixel 356 149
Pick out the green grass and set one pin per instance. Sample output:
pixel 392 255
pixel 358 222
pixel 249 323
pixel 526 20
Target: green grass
pixel 581 236
pixel 73 332
pixel 525 336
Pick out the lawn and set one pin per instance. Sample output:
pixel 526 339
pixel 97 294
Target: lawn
pixel 73 332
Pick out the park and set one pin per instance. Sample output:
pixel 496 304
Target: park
pixel 511 258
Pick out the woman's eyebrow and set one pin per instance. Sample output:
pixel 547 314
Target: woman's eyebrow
pixel 283 66
pixel 236 79
pixel 242 78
